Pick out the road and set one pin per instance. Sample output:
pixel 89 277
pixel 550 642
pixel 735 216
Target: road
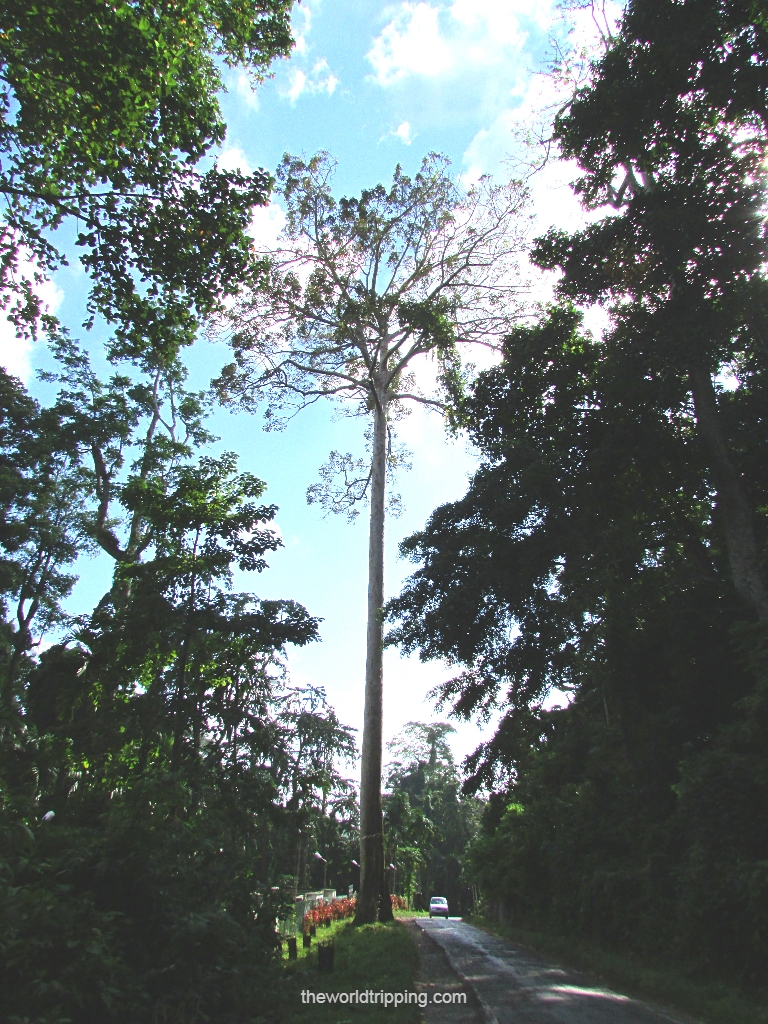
pixel 516 986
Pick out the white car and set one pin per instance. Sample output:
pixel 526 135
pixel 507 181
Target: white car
pixel 438 907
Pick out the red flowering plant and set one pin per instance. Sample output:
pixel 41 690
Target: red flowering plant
pixel 324 911
pixel 343 908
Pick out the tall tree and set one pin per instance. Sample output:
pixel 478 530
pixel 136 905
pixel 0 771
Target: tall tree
pixel 672 133
pixel 421 743
pixel 358 291
pixel 586 558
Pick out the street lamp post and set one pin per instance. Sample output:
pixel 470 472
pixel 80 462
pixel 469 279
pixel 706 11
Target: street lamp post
pixel 325 866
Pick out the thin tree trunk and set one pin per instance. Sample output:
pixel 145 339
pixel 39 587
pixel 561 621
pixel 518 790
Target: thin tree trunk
pixel 371 820
pixel 732 500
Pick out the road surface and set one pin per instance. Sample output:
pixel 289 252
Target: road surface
pixel 516 986
pixel 437 975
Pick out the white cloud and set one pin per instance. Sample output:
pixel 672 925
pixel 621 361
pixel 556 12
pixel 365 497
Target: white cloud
pixel 319 79
pixel 267 223
pixel 501 16
pixel 244 87
pixel 299 77
pixel 448 39
pixel 301 23
pixel 234 159
pixel 298 85
pixel 15 352
pixel 322 78
pixel 404 133
pixel 410 44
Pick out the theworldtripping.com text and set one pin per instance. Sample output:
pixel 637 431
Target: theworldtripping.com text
pixel 373 997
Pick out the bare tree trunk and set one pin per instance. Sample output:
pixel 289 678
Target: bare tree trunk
pixel 371 820
pixel 732 500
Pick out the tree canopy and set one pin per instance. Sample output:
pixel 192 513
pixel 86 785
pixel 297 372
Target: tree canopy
pixel 108 111
pixel 602 583
pixel 672 133
pixel 160 779
pixel 359 287
pixel 429 821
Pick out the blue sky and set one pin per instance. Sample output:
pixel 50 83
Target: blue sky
pixel 375 85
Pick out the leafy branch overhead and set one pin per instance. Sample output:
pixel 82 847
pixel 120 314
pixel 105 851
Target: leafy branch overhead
pixel 108 110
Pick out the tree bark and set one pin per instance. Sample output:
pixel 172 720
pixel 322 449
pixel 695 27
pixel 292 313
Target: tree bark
pixel 732 499
pixel 371 819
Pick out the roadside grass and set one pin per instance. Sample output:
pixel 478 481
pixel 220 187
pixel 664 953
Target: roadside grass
pixel 322 935
pixel 715 1002
pixel 379 958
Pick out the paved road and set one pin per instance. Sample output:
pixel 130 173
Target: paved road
pixel 515 986
pixel 437 975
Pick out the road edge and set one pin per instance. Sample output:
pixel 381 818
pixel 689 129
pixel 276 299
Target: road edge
pixel 488 1014
pixel 673 1014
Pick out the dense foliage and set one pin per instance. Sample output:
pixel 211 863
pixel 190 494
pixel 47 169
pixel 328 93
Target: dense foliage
pixel 107 112
pixel 164 790
pixel 160 780
pixel 156 772
pixel 612 544
pixel 585 558
pixel 429 822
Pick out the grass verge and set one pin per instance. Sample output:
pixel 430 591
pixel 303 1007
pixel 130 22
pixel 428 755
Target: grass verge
pixel 376 958
pixel 715 1002
pixel 322 935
